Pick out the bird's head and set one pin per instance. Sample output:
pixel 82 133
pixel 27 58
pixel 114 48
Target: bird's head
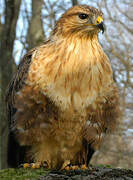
pixel 80 20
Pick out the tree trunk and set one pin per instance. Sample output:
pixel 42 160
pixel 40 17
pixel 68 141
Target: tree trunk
pixel 74 2
pixel 35 34
pixel 8 34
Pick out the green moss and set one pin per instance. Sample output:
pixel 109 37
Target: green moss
pixel 22 174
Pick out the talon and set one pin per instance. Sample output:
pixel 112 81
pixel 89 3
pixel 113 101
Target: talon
pixel 36 165
pixel 65 164
pixel 32 165
pixel 74 167
pixel 84 167
pixel 67 168
pixel 25 165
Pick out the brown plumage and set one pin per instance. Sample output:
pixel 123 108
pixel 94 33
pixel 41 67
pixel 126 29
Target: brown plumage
pixel 62 100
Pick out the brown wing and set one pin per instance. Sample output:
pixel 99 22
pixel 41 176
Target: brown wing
pixel 16 153
pixel 16 84
pixel 28 109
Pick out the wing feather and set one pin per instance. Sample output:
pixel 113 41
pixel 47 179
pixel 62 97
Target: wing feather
pixel 16 84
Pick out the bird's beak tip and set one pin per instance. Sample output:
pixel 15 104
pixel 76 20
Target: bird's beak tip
pixel 101 26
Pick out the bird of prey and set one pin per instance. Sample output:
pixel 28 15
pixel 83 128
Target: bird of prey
pixel 63 100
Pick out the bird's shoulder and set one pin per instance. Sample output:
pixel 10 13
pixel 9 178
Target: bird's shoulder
pixel 20 76
pixel 18 81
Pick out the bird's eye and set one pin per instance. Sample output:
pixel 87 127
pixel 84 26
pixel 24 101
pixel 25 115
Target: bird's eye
pixel 83 16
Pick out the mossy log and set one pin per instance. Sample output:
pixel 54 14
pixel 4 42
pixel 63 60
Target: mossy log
pixel 93 173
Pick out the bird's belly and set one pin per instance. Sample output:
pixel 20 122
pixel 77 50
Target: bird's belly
pixel 69 143
pixel 68 128
pixel 68 134
pixel 65 140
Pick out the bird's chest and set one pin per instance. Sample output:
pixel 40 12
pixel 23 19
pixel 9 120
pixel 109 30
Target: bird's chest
pixel 73 95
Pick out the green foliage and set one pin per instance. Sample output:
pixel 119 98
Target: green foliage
pixel 22 174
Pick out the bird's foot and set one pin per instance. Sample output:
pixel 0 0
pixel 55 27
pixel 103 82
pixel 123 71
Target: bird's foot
pixel 35 165
pixel 68 166
pixel 84 167
pixel 31 165
pixel 75 167
pixel 71 167
pixel 65 164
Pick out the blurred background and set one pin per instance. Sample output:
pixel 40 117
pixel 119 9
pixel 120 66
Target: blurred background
pixel 25 24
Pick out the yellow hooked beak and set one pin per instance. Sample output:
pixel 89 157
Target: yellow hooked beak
pixel 99 20
pixel 99 23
